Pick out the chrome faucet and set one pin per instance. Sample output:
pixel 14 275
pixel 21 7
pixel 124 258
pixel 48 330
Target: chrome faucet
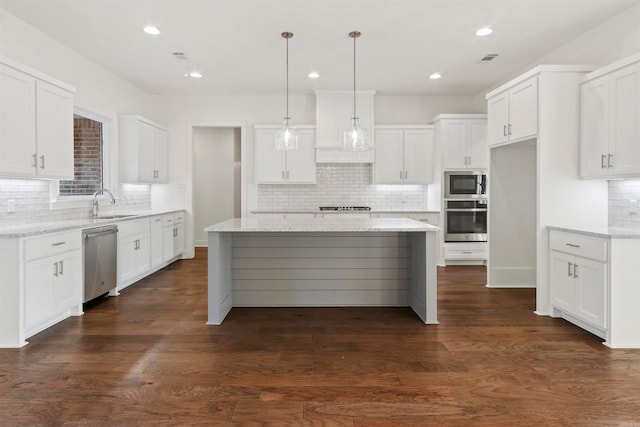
pixel 95 200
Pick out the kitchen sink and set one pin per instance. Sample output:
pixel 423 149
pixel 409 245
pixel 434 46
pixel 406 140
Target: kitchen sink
pixel 113 216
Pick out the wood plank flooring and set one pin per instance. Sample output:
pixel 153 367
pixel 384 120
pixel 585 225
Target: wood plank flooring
pixel 147 358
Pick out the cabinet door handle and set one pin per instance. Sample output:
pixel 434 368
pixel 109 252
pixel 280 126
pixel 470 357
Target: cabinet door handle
pixel 61 267
pixel 610 160
pixel 287 174
pixel 573 245
pixel 282 173
pixel 569 269
pixel 603 158
pixel 35 161
pixel 406 174
pixel 55 270
pixel 42 159
pixel 504 130
pixel 509 129
pixel 575 271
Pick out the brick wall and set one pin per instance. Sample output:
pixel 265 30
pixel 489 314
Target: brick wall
pixel 87 152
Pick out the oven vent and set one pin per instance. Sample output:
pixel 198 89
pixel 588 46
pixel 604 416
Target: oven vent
pixel 180 55
pixel 489 57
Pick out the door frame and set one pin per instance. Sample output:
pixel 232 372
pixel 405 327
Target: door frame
pixel 189 231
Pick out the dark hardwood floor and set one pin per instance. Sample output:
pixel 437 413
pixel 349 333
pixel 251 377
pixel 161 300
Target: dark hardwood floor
pixel 147 358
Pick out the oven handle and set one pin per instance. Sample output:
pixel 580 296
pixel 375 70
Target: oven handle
pixel 466 210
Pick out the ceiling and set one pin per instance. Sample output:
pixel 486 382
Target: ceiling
pixel 236 44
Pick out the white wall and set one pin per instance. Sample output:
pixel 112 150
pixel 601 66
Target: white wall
pixel 97 91
pixel 608 42
pixel 182 113
pixel 214 184
pixel 612 40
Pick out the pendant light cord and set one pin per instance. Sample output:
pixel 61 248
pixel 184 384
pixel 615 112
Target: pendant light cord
pixel 354 35
pixel 287 73
pixel 354 81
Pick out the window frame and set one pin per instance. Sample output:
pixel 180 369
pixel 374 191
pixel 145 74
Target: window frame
pixel 58 201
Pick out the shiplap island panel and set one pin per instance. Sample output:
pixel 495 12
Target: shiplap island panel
pixel 267 262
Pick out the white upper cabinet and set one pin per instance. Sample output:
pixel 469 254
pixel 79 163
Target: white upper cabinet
pixel 285 167
pixel 404 156
pixel 610 121
pixel 143 147
pixel 36 124
pixel 513 113
pixel 463 140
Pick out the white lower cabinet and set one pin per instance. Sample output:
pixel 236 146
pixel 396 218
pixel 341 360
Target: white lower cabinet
pixel 52 280
pixel 173 232
pixel 157 230
pixel 134 251
pixel 579 280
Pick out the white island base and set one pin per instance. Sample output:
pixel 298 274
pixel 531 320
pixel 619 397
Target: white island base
pixel 319 262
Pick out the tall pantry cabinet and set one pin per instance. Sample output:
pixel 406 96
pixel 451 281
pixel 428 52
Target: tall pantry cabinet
pixel 533 177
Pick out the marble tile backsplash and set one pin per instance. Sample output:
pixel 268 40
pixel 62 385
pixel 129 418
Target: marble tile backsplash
pixel 624 203
pixel 342 185
pixel 31 199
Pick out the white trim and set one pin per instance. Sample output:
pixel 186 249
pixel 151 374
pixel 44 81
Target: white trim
pixel 538 70
pixel 189 250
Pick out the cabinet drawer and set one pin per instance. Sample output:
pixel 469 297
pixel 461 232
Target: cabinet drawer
pixel 178 218
pixel 579 245
pixel 128 228
pixel 432 219
pixel 470 251
pixel 168 220
pixel 51 244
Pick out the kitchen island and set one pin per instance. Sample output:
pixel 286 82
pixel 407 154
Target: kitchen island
pixel 260 262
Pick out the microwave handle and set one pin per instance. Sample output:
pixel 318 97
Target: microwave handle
pixel 482 184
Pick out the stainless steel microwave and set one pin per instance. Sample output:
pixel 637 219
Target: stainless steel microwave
pixel 465 184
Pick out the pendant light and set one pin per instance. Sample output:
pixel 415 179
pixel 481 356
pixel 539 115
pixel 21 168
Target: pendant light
pixel 286 136
pixel 356 138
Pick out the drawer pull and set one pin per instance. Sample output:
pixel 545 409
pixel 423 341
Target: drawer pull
pixel 572 245
pixel 467 252
pixel 58 243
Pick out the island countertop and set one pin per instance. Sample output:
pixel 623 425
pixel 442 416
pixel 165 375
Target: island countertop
pixel 324 225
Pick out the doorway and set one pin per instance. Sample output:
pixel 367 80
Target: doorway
pixel 216 177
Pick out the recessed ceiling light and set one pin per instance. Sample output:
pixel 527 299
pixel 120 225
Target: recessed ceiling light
pixel 150 29
pixel 435 76
pixel 485 31
pixel 195 74
pixel 314 75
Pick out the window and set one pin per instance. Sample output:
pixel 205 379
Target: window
pixel 88 152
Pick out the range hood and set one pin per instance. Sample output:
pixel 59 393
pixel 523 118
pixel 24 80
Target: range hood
pixel 334 110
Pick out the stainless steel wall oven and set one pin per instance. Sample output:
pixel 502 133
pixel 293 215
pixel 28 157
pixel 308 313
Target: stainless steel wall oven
pixel 465 220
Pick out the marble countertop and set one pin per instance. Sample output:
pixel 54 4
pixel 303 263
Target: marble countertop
pixel 320 225
pixel 44 227
pixel 603 231
pixel 318 211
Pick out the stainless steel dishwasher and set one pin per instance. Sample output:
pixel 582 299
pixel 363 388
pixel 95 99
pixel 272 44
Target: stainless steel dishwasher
pixel 100 263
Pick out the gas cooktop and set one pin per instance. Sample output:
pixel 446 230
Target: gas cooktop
pixel 345 208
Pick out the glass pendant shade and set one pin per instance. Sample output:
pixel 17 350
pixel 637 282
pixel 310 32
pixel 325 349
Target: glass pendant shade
pixel 286 137
pixel 356 138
